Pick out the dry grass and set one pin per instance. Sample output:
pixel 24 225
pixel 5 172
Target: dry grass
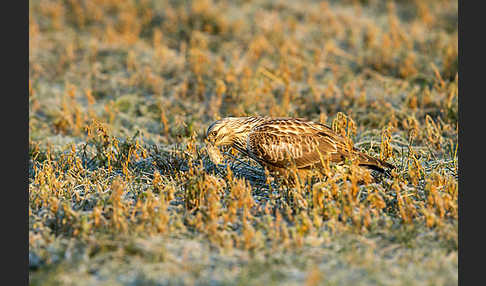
pixel 121 187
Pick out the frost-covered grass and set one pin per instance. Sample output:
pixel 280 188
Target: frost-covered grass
pixel 121 188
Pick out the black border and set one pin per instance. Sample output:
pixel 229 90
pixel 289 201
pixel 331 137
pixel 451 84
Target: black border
pixel 15 91
pixel 471 112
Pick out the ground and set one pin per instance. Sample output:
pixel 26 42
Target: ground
pixel 121 187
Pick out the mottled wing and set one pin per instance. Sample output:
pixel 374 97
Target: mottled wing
pixel 283 142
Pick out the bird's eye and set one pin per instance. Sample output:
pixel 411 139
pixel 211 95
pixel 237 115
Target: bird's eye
pixel 213 133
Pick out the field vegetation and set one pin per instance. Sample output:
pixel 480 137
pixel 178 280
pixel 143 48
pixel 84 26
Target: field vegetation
pixel 121 187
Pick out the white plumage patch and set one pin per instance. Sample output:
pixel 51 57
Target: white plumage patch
pixel 214 154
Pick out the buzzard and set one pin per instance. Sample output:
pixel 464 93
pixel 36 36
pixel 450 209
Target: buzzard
pixel 281 143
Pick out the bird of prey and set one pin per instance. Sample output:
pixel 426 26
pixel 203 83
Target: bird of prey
pixel 282 143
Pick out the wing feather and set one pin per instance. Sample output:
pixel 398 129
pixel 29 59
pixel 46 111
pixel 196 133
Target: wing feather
pixel 283 142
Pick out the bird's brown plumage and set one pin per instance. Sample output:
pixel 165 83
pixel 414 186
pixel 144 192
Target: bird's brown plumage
pixel 280 143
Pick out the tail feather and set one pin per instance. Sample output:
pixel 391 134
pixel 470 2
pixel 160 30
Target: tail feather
pixel 374 163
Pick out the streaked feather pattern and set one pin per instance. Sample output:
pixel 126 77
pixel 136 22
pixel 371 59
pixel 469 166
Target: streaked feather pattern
pixel 279 143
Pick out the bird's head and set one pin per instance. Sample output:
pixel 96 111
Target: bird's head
pixel 223 132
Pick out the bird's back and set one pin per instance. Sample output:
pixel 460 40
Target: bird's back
pixel 283 142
